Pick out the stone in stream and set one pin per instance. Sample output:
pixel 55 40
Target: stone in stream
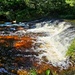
pixel 3 70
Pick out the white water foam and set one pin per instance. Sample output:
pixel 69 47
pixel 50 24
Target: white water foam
pixel 55 44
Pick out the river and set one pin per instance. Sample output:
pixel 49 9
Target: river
pixel 44 41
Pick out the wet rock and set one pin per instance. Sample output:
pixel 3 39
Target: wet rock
pixel 22 72
pixel 2 70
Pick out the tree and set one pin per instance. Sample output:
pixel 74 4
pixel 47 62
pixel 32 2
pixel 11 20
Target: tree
pixel 25 10
pixel 70 2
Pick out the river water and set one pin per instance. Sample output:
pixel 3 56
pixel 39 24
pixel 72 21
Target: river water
pixel 53 37
pixel 55 43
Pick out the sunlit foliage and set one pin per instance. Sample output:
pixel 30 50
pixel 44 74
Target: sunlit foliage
pixel 26 10
pixel 71 50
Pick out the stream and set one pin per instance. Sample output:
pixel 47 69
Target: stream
pixel 33 44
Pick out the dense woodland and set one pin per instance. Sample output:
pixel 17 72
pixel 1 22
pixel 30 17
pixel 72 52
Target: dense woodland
pixel 27 10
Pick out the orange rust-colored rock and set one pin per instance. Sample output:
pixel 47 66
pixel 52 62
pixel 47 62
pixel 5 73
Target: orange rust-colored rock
pixel 14 71
pixel 40 68
pixel 25 42
pixel 16 41
pixel 2 41
pixel 20 28
pixel 22 72
pixel 9 38
pixel 20 59
pixel 1 65
pixel 7 41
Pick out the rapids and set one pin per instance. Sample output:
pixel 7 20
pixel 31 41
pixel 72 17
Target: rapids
pixel 55 44
pixel 52 41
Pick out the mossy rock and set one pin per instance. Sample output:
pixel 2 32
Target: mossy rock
pixel 71 51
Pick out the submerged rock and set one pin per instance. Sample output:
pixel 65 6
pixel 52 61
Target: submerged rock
pixel 3 70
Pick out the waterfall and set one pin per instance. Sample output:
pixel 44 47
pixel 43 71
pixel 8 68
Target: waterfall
pixel 52 41
pixel 55 43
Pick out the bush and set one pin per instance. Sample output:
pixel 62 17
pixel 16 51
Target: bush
pixel 71 50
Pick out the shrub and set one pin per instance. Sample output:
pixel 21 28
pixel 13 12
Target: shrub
pixel 71 50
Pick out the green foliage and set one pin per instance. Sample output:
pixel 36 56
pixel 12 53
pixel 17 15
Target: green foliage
pixel 71 50
pixel 47 72
pixel 25 10
pixel 33 72
pixel 71 2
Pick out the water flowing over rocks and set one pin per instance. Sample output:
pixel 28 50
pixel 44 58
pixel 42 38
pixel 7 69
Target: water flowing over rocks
pixel 44 42
pixel 55 43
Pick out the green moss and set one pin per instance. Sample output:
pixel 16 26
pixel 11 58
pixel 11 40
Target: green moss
pixel 47 72
pixel 33 72
pixel 71 50
pixel 70 20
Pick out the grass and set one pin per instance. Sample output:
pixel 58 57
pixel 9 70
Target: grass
pixel 70 20
pixel 33 72
pixel 47 72
pixel 71 50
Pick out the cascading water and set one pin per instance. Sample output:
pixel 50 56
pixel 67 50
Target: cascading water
pixel 52 41
pixel 55 43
